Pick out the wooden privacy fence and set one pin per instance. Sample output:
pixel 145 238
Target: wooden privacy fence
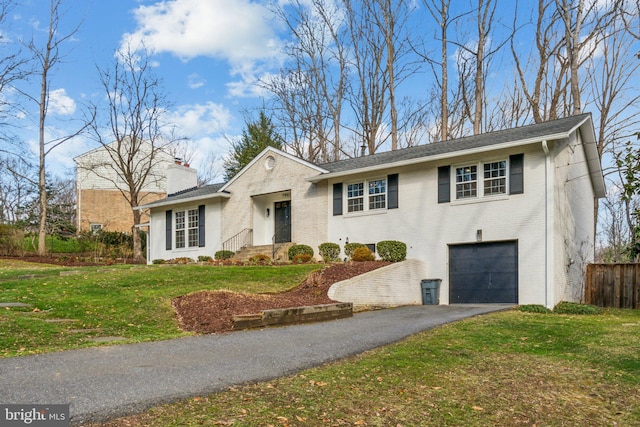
pixel 613 285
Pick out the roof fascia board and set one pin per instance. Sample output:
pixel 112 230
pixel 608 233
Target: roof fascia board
pixel 437 157
pixel 589 143
pixel 276 151
pixel 167 202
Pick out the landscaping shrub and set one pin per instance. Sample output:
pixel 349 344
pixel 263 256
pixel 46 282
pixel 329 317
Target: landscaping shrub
pixel 350 247
pixel 224 255
pixel 302 259
pixel 392 250
pixel 329 251
pixel 300 250
pixel 362 253
pixel 534 308
pixel 260 259
pixel 575 308
pixel 204 258
pixel 158 261
pixel 11 240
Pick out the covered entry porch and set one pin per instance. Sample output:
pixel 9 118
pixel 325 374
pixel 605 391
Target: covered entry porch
pixel 272 218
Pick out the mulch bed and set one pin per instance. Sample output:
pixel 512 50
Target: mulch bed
pixel 211 311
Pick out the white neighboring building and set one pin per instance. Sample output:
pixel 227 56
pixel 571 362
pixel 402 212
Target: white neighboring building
pixel 99 186
pixel 503 217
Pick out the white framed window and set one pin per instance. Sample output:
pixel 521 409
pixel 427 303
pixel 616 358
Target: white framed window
pixel 378 194
pixel 355 197
pixel 193 218
pixel 367 195
pixel 187 223
pixel 495 178
pixel 466 181
pixel 492 182
pixel 180 226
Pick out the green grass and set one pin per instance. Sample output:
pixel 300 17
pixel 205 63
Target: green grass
pixel 114 301
pixel 504 369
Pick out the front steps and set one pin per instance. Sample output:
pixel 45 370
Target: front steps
pixel 282 250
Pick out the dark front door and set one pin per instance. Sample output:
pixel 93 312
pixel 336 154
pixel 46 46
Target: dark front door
pixel 483 273
pixel 283 222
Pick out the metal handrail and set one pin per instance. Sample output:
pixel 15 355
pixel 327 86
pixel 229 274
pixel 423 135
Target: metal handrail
pixel 273 241
pixel 239 241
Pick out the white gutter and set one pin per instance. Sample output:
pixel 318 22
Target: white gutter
pixel 168 201
pixel 548 224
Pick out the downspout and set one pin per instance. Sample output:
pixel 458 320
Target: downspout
pixel 548 224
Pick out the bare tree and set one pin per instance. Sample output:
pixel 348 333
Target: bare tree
pixel 473 62
pixel 47 58
pixel 18 188
pixel 578 44
pixel 391 19
pixel 543 62
pixel 439 10
pixel 132 136
pixel 612 78
pixel 368 95
pixel 309 91
pixel 630 12
pixel 14 67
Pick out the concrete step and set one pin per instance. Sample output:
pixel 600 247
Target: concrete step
pixel 250 251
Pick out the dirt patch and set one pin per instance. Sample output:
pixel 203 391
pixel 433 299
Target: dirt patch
pixel 211 311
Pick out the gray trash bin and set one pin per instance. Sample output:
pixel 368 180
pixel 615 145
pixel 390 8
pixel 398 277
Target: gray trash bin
pixel 430 291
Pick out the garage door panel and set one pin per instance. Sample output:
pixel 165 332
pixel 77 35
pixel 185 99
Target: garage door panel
pixel 483 273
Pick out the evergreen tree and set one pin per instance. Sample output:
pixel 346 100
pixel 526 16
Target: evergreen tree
pixel 257 136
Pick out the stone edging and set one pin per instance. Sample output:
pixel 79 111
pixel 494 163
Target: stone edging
pixel 284 316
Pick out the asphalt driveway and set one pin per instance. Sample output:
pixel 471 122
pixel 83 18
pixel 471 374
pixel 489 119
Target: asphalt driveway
pixel 106 382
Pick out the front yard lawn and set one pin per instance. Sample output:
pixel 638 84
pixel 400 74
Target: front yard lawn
pixel 134 304
pixel 504 369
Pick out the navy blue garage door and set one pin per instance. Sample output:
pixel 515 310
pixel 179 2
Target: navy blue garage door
pixel 483 273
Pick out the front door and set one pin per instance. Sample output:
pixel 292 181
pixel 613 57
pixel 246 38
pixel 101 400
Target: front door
pixel 283 222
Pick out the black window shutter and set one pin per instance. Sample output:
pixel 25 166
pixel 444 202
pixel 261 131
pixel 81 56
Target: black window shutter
pixel 168 229
pixel 516 174
pixel 337 199
pixel 201 226
pixel 444 184
pixel 392 189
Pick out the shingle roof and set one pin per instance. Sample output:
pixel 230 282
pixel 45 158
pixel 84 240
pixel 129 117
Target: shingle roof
pixel 188 194
pixel 536 132
pixel 196 191
pixel 530 132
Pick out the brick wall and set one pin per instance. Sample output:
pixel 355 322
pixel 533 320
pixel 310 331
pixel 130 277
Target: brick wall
pixel 109 208
pixel 396 284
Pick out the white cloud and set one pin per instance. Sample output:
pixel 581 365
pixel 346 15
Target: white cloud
pixel 201 119
pixel 60 103
pixel 248 87
pixel 238 31
pixel 195 81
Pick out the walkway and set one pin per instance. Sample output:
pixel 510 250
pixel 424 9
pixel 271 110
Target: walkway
pixel 106 382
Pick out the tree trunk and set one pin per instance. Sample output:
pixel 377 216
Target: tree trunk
pixel 42 178
pixel 444 92
pixel 137 241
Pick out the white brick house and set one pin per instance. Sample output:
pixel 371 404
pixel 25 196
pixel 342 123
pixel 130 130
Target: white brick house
pixel 506 216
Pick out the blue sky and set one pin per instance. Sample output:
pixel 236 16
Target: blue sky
pixel 208 53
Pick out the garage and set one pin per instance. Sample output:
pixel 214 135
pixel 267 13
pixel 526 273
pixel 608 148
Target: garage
pixel 483 273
